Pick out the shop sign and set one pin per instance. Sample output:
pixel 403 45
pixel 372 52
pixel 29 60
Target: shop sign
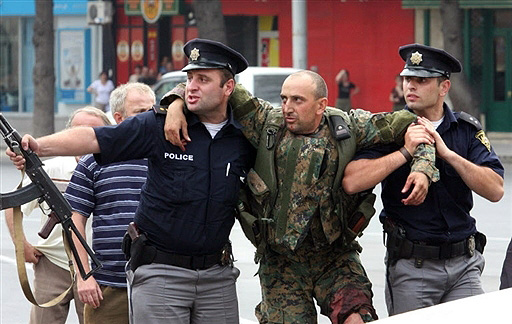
pixel 136 7
pixel 151 10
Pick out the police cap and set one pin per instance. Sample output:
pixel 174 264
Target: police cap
pixel 208 54
pixel 427 62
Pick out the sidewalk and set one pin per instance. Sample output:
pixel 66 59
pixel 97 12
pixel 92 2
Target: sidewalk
pixel 502 144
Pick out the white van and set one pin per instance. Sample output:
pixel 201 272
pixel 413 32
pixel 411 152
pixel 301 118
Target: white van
pixel 262 82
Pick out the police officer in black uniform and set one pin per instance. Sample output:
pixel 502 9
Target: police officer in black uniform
pixel 181 263
pixel 434 252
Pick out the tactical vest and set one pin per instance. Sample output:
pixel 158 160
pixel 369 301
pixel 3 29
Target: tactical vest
pixel 354 211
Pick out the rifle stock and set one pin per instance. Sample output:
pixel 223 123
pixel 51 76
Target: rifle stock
pixel 43 188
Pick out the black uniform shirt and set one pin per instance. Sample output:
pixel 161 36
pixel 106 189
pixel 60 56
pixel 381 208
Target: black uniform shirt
pixel 189 198
pixel 444 216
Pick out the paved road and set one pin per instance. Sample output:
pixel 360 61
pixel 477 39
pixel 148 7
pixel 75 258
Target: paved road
pixel 495 220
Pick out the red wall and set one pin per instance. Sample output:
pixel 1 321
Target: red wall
pixel 366 39
pixel 362 37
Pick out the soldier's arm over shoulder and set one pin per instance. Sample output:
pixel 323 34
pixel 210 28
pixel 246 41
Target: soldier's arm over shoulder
pixel 177 92
pixel 250 112
pixel 245 105
pixel 241 101
pixel 383 128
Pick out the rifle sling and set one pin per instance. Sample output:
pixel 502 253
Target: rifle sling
pixel 20 261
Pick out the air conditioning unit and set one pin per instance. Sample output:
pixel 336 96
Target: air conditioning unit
pixel 99 12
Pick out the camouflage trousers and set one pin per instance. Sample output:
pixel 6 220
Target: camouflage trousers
pixel 335 278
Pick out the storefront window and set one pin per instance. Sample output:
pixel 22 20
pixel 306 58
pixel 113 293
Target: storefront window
pixel 9 64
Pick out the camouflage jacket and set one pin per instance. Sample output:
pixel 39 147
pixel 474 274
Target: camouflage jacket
pixel 306 167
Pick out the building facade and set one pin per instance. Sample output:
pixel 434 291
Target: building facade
pixel 487 38
pixel 352 35
pixel 77 62
pixel 361 36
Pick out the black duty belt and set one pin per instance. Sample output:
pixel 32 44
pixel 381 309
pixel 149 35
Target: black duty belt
pixel 410 249
pixel 192 262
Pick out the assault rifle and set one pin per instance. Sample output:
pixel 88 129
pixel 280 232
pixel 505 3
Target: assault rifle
pixel 43 189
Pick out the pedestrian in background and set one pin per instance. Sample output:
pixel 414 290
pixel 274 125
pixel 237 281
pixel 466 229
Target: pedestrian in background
pixel 434 251
pixel 168 68
pixel 136 74
pixel 147 76
pixel 397 94
pixel 162 68
pixel 101 90
pixel 346 89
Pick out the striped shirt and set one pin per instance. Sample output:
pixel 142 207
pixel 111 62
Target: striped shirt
pixel 111 193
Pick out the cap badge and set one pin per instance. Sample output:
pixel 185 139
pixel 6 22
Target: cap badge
pixel 416 58
pixel 194 54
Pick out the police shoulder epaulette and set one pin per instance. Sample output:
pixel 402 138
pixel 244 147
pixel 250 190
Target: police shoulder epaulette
pixel 470 119
pixel 160 109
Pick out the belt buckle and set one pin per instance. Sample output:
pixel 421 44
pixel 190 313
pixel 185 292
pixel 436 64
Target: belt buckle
pixel 197 262
pixel 471 245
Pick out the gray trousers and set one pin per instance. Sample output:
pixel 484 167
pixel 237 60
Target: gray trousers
pixel 161 293
pixel 438 281
pixel 506 271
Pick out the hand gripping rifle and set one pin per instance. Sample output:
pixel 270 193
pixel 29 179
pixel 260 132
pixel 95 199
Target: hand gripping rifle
pixel 43 188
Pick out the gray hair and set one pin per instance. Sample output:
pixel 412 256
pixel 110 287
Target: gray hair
pixel 118 96
pixel 93 111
